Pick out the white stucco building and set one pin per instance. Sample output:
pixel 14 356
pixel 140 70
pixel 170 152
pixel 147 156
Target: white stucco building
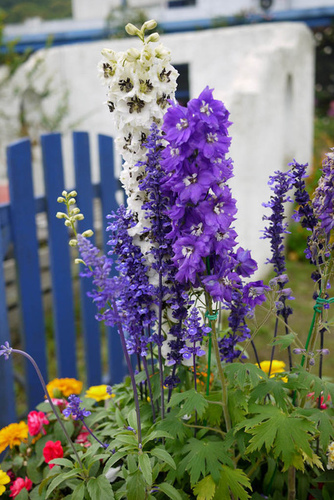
pixel 263 73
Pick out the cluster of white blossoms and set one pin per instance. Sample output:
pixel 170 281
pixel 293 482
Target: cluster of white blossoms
pixel 140 83
pixel 330 454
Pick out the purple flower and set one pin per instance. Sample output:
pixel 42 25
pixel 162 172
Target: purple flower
pixel 221 285
pixel 254 293
pixel 189 252
pixel 176 124
pixel 246 266
pixel 73 408
pixel 6 350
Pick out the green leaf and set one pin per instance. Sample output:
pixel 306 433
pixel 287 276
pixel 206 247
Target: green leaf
pixel 155 435
pixel 275 388
pixel 60 479
pixel 232 481
pixel 62 461
pixel 79 491
pixel 192 400
pixel 164 456
pixel 170 491
pixel 237 405
pixel 135 486
pixel 205 489
pixel 324 422
pixel 146 468
pixel 174 426
pixel 244 374
pixel 132 419
pixel 284 341
pixel 33 473
pixel 113 459
pixel 287 436
pixel 99 488
pixel 203 457
pixel 23 495
pixel 35 495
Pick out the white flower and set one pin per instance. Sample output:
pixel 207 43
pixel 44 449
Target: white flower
pixel 112 474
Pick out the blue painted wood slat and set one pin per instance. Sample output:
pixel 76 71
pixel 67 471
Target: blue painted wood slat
pixel 7 400
pixel 60 263
pixel 84 188
pixel 117 368
pixel 22 212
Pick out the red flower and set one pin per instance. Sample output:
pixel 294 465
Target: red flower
pixel 36 420
pixel 52 449
pixel 19 484
pixel 82 438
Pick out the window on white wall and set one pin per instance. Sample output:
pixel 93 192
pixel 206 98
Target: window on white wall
pixel 181 3
pixel 182 93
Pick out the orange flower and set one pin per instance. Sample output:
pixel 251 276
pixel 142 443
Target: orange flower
pixel 65 386
pixel 13 435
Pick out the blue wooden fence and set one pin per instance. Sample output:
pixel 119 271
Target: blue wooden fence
pixel 18 229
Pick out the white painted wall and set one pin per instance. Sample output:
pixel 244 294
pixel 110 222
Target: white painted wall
pixel 158 9
pixel 263 73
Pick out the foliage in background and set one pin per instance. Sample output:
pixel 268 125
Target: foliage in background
pixel 17 11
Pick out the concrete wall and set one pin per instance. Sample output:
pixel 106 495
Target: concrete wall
pixel 263 73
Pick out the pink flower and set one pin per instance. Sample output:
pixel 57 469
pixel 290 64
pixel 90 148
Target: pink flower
pixel 19 484
pixel 52 449
pixel 82 438
pixel 36 420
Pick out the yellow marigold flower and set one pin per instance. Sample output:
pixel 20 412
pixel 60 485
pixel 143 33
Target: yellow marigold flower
pixel 65 386
pixel 276 367
pixel 4 479
pixel 13 435
pixel 98 392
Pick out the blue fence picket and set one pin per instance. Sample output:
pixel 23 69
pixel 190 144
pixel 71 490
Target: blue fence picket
pixel 22 212
pixel 84 188
pixel 60 263
pixel 7 400
pixel 109 204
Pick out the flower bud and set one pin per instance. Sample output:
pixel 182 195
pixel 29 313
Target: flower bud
pixel 60 199
pixel 132 55
pixel 79 217
pixel 88 233
pixel 131 29
pixel 61 215
pixel 64 193
pixel 79 261
pixel 71 201
pixel 73 194
pixel 153 38
pixel 73 243
pixel 108 53
pixel 68 223
pixel 149 25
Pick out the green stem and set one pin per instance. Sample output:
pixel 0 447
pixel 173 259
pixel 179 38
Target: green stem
pixel 291 483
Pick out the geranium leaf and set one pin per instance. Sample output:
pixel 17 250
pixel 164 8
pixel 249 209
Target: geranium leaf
pixel 275 388
pixel 284 341
pixel 323 421
pixel 242 374
pixel 205 489
pixel 232 481
pixel 192 400
pixel 174 426
pixel 205 456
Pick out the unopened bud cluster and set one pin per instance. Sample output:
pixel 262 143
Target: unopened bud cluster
pixel 72 215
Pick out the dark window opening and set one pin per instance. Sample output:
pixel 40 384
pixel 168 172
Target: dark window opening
pixel 181 3
pixel 182 93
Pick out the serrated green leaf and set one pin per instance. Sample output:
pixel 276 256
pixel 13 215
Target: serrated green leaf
pixel 99 488
pixel 203 457
pixel 79 491
pixel 286 435
pixel 274 387
pixel 324 422
pixel 174 426
pixel 232 481
pixel 164 456
pixel 205 489
pixel 135 486
pixel 146 468
pixel 244 374
pixel 284 341
pixel 192 400
pixel 169 490
pixel 237 405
